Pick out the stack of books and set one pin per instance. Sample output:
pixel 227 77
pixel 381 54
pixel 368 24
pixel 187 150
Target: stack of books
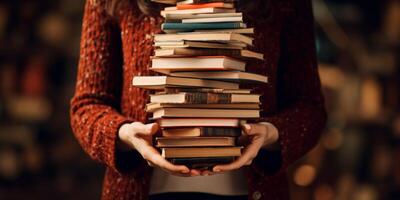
pixel 198 101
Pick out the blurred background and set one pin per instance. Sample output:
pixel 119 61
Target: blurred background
pixel 358 50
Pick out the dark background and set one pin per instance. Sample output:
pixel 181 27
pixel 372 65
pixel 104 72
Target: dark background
pixel 358 47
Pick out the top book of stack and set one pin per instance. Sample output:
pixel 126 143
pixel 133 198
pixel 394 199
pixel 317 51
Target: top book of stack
pixel 206 45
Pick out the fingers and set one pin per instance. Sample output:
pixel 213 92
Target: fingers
pixel 195 172
pixel 144 129
pixel 207 173
pixel 245 159
pixel 253 129
pixel 155 159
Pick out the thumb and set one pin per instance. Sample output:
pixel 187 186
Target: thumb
pixel 247 128
pixel 151 129
pixel 145 129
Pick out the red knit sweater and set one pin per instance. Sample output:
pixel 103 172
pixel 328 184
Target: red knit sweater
pixel 114 49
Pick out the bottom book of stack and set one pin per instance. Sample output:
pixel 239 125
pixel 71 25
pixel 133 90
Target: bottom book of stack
pixel 199 147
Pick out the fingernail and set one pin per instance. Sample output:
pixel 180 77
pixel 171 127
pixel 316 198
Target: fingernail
pixel 246 126
pixel 216 170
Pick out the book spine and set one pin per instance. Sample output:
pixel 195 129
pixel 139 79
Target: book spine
pixel 203 1
pixel 207 98
pixel 193 26
pixel 214 160
pixel 204 90
pixel 197 6
pixel 220 132
pixel 211 52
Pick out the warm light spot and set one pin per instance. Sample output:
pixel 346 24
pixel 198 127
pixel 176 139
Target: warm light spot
pixel 304 175
pixel 371 98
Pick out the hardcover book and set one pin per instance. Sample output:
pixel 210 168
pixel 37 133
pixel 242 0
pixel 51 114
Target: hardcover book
pixel 198 45
pixel 161 82
pixel 186 52
pixel 204 36
pixel 230 76
pixel 194 141
pixel 202 132
pixel 151 107
pixel 205 113
pixel 199 122
pixel 197 63
pixel 205 98
pixel 209 90
pixel 193 152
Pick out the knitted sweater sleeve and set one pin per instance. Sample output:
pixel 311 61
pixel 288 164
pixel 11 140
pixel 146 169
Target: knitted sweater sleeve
pixel 301 115
pixel 94 111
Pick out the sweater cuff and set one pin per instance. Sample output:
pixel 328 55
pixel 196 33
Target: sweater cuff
pixel 123 162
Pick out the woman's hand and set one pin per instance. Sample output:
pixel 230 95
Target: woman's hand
pixel 139 136
pixel 256 136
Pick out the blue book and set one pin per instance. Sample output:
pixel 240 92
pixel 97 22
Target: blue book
pixel 201 26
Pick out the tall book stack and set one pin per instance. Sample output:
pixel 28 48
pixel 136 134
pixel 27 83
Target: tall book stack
pixel 197 101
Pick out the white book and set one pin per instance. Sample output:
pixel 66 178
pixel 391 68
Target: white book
pixel 196 44
pixel 197 63
pixel 233 76
pixel 204 36
pixel 161 82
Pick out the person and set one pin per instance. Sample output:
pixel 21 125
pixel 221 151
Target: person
pixel 109 120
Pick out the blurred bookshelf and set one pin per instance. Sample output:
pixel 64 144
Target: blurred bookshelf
pixel 39 49
pixel 358 46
